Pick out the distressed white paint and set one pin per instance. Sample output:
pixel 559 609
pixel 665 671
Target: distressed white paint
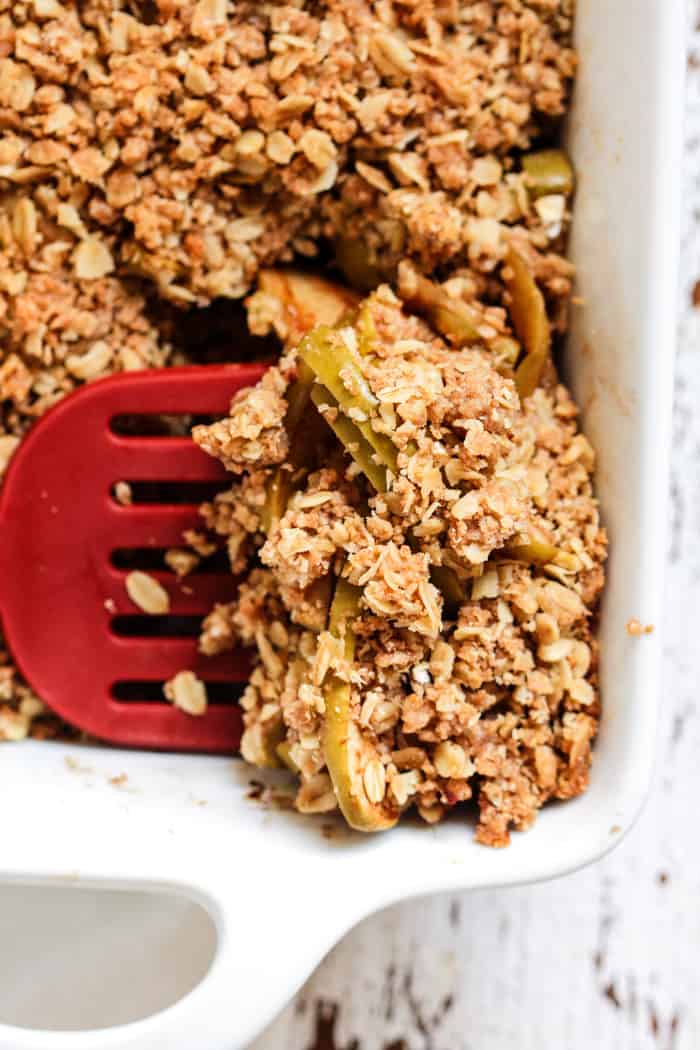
pixel 528 969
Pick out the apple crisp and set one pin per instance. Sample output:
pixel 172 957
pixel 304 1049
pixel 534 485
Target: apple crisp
pixel 422 560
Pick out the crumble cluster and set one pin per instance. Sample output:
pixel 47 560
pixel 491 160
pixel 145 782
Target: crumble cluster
pixel 490 692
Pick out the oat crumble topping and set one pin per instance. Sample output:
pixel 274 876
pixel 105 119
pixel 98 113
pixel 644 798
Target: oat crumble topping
pixel 192 143
pixel 493 693
pixel 158 157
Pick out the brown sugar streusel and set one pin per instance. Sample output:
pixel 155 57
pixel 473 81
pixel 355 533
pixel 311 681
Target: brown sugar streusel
pixel 191 144
pixel 170 151
pixel 469 570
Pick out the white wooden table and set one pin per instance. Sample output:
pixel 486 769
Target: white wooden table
pixel 609 958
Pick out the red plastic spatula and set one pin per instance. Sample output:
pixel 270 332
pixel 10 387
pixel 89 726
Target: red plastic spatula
pixel 62 597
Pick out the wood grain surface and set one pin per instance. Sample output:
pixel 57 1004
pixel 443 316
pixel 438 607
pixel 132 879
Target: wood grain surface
pixel 609 958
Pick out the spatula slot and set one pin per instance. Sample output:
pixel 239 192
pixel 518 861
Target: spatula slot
pixel 128 691
pixel 158 424
pixel 153 559
pixel 135 626
pixel 179 492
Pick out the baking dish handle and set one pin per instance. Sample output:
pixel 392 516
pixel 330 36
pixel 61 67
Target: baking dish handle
pixel 263 956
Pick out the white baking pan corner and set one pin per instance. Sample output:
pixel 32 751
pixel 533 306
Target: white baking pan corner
pixel 280 892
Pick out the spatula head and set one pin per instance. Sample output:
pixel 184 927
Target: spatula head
pixel 82 644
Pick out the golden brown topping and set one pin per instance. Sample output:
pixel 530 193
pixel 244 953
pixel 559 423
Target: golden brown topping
pixel 465 644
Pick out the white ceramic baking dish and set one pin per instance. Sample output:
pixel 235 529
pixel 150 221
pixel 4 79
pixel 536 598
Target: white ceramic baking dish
pixel 282 894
